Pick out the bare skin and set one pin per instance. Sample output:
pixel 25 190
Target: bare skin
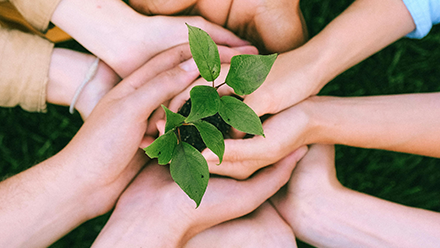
pixel 272 26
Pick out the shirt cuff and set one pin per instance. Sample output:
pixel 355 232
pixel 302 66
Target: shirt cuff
pixel 420 12
pixel 37 13
pixel 24 70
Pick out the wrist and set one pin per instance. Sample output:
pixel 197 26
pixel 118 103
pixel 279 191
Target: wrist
pixel 67 71
pixel 311 108
pixel 313 219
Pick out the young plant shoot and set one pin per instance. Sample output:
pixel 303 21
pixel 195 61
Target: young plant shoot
pixel 188 167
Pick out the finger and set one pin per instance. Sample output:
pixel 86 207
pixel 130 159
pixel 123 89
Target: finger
pixel 160 125
pixel 219 34
pixel 162 88
pixel 269 180
pixel 157 115
pixel 158 64
pixel 241 158
pixel 236 134
pixel 226 53
pixel 146 141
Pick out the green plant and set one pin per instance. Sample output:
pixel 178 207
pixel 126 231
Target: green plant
pixel 188 167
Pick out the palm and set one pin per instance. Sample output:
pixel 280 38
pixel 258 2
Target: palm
pixel 273 26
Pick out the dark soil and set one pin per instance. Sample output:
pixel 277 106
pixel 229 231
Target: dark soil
pixel 191 135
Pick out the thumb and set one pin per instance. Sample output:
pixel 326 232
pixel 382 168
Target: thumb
pixel 163 87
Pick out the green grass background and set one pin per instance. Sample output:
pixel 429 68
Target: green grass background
pixel 407 66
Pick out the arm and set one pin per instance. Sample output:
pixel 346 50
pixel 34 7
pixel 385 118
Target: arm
pixel 364 28
pixel 325 214
pixel 44 203
pixel 85 179
pixel 402 123
pixel 125 39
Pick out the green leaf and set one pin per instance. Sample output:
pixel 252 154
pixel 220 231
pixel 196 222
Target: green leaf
pixel 205 102
pixel 173 119
pixel 205 53
pixel 189 170
pixel 248 72
pixel 163 147
pixel 212 137
pixel 239 115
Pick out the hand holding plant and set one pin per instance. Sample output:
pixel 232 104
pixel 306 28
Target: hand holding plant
pixel 153 206
pixel 188 167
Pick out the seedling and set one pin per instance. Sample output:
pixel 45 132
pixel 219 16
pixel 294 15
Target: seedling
pixel 188 167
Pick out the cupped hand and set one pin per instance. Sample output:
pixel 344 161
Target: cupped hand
pixel 152 35
pixel 111 136
pixel 153 211
pixel 273 26
pixel 177 101
pixel 264 227
pixel 284 133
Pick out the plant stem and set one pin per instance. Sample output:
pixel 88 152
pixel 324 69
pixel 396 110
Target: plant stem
pixel 218 86
pixel 179 139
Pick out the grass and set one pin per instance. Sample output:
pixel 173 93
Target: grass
pixel 407 66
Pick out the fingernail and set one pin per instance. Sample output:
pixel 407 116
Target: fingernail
pixel 189 65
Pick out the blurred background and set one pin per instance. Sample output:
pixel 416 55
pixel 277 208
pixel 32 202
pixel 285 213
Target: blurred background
pixel 407 66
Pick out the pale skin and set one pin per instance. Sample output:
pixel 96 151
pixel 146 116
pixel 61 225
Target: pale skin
pixel 262 228
pixel 154 212
pixel 273 26
pixel 85 179
pixel 125 39
pixel 361 30
pixel 402 123
pixel 68 69
pixel 324 213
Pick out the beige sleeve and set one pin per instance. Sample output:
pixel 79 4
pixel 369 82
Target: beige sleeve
pixel 37 12
pixel 24 70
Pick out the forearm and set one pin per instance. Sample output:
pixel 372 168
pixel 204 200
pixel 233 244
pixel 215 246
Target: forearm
pixel 402 123
pixel 364 28
pixel 45 202
pixel 98 25
pixel 347 218
pixel 41 204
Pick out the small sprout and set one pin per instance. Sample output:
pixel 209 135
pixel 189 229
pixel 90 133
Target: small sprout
pixel 246 74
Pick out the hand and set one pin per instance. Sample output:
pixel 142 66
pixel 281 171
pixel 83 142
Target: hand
pixel 273 26
pixel 323 213
pixel 125 39
pixel 293 78
pixel 262 228
pixel 284 133
pixel 112 134
pixel 154 211
pixel 176 103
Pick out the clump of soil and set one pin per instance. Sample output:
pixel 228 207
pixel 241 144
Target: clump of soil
pixel 191 135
